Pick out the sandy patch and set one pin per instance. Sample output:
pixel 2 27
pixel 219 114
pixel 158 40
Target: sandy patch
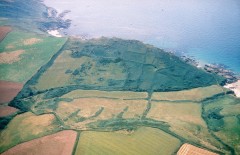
pixel 10 57
pixel 61 143
pixel 4 30
pixel 8 90
pixel 234 87
pixel 54 33
pixel 6 111
pixel 31 41
pixel 187 149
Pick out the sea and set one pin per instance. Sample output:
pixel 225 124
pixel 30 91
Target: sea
pixel 206 30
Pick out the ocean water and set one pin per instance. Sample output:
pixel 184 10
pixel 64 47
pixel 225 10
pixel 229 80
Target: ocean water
pixel 208 30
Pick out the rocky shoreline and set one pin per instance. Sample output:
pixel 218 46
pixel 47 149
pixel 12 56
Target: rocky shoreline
pixel 55 21
pixel 232 81
pixel 218 69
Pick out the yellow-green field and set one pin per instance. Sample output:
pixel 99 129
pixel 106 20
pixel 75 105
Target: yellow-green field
pixel 106 94
pixel 141 142
pixel 196 94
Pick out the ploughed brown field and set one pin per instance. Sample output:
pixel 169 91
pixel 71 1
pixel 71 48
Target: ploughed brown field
pixel 187 149
pixel 6 110
pixel 61 143
pixel 4 30
pixel 8 90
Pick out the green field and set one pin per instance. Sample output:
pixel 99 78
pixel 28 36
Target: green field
pixel 26 127
pixel 37 50
pixel 196 94
pixel 106 94
pixel 141 142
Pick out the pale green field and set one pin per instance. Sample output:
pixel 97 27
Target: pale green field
pixel 196 94
pixel 26 127
pixel 142 142
pixel 38 50
pixel 106 94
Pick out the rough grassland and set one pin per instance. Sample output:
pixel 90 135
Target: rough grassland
pixel 79 112
pixel 61 143
pixel 26 127
pixel 57 75
pixel 141 142
pixel 196 94
pixel 36 54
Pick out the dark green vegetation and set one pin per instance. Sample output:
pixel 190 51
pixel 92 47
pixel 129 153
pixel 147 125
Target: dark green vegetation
pixel 222 117
pixel 114 64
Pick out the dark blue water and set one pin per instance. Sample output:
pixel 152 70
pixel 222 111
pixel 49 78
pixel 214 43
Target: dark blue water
pixel 209 30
